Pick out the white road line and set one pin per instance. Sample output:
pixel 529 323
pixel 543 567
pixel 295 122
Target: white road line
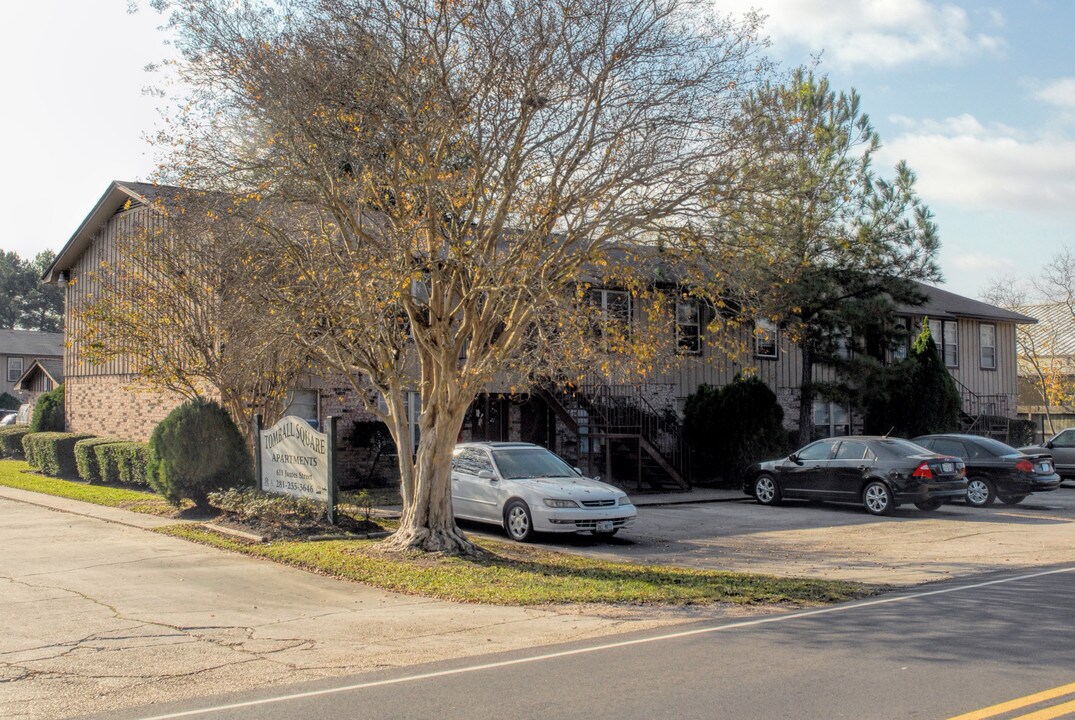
pixel 607 646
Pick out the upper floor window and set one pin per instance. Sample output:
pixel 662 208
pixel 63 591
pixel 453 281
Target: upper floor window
pixel 946 336
pixel 765 334
pixel 688 327
pixel 14 369
pixel 303 403
pixel 987 346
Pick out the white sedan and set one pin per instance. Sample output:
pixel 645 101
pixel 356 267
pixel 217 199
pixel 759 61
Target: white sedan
pixel 526 489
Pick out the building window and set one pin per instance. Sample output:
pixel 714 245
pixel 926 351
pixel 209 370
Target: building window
pixel 903 339
pixel 688 327
pixel 615 306
pixel 765 335
pixel 14 369
pixel 946 337
pixel 303 404
pixel 831 419
pixel 987 346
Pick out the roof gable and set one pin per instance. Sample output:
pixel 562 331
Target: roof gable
pixel 114 198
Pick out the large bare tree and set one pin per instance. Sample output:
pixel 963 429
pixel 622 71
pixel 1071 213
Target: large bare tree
pixel 434 181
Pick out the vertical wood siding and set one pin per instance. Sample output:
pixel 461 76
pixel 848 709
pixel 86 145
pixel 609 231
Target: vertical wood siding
pixel 83 286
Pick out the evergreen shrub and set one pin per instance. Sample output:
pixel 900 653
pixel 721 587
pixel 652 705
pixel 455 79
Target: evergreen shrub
pixel 731 427
pixel 53 453
pixel 11 441
pixel 49 413
pixel 9 401
pixel 122 462
pixel 196 450
pixel 89 469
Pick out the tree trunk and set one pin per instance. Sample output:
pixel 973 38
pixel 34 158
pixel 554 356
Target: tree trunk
pixel 428 524
pixel 806 394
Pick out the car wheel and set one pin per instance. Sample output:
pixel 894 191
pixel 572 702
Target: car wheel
pixel 517 521
pixel 877 499
pixel 1012 499
pixel 928 505
pixel 980 493
pixel 766 490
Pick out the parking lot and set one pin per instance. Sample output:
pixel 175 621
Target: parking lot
pixel 843 541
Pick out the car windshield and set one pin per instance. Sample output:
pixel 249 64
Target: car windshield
pixel 895 447
pixel 517 463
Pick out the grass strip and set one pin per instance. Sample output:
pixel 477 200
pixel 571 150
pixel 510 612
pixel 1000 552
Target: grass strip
pixel 525 575
pixel 17 474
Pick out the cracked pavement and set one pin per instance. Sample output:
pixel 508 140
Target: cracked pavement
pixel 96 616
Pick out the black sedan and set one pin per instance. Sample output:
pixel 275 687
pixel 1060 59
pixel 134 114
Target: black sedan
pixel 879 472
pixel 995 470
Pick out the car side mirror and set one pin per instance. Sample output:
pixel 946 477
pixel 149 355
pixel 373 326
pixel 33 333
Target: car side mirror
pixel 578 471
pixel 487 475
pixel 795 459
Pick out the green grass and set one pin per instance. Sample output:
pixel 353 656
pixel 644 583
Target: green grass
pixel 17 474
pixel 526 575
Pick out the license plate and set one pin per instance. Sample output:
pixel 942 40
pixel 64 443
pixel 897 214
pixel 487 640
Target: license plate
pixel 948 467
pixel 1044 467
pixel 604 526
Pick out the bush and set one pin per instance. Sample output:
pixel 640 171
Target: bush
pixel 918 396
pixel 11 441
pixel 1021 432
pixel 122 462
pixel 731 427
pixel 9 401
pixel 48 412
pixel 89 468
pixel 195 450
pixel 53 453
pixel 246 504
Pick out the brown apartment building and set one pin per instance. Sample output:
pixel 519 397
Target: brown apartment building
pixel 629 432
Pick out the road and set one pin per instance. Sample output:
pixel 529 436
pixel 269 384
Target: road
pixel 938 652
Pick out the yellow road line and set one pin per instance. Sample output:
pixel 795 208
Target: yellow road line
pixel 1022 702
pixel 1050 712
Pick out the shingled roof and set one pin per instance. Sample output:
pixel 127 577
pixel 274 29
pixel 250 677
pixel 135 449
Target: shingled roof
pixel 33 343
pixel 942 305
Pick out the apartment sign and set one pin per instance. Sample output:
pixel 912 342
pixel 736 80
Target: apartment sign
pixel 294 460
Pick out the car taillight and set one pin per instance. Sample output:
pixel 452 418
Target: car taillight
pixel 923 471
pixel 1024 466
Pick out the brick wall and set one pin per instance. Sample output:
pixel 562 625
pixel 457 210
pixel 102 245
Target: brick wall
pixel 109 405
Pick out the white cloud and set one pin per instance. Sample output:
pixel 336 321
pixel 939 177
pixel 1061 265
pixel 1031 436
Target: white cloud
pixel 979 167
pixel 878 33
pixel 1059 92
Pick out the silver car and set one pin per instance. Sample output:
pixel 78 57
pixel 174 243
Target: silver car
pixel 526 489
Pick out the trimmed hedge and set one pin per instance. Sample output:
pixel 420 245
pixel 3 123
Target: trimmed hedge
pixel 11 441
pixel 122 462
pixel 53 453
pixel 89 469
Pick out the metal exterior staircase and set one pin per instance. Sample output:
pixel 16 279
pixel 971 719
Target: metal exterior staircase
pixel 621 435
pixel 986 415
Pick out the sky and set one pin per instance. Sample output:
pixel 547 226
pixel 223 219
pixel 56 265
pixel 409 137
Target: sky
pixel 977 96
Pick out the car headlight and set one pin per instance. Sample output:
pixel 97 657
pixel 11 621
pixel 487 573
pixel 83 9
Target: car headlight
pixel 554 502
pixel 624 501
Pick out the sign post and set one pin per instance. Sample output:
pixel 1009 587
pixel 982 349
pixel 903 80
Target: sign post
pixel 295 459
pixel 330 430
